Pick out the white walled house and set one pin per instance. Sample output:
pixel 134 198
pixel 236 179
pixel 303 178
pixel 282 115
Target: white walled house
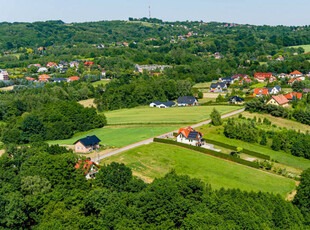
pixel 189 136
pixel 159 104
pixel 4 76
pixel 187 101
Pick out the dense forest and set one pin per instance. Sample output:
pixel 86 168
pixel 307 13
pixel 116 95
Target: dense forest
pixel 41 189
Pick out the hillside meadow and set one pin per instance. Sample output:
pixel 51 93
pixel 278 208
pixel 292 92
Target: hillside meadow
pixel 155 160
pixel 119 136
pixel 175 115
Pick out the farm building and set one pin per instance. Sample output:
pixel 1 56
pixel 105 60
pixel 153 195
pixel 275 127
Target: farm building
pixel 89 168
pixel 159 104
pixel 189 136
pixel 187 101
pixel 87 144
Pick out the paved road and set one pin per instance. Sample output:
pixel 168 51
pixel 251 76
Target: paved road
pixel 148 141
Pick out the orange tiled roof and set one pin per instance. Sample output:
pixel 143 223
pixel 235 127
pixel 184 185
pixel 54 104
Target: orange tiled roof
pixel 296 73
pixel 187 131
pixel 74 78
pixel 290 96
pixel 280 99
pixel 86 165
pixel 265 75
pixel 261 91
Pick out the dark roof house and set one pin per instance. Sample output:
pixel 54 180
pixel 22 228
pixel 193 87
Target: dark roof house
pixel 236 99
pixel 89 140
pixel 186 101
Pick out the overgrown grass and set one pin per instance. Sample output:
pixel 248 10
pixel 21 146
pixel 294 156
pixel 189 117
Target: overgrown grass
pixel 259 85
pixel 103 82
pixel 305 47
pixel 176 115
pixel 119 136
pixel 155 160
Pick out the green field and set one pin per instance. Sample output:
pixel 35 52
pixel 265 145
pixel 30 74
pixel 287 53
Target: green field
pixel 282 157
pixel 176 115
pixel 305 47
pixel 119 136
pixel 155 160
pixel 259 85
pixel 202 85
pixel 96 83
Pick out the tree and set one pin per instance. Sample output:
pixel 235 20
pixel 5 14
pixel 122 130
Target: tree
pixel 264 139
pixel 114 176
pixel 302 198
pixel 32 129
pixel 215 118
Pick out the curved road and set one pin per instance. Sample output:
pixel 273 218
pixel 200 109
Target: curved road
pixel 148 141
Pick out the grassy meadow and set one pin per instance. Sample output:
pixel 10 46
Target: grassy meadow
pixel 119 136
pixel 155 160
pixel 96 83
pixel 289 160
pixel 305 47
pixel 176 115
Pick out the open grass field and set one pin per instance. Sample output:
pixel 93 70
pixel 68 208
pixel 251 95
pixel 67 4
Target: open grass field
pixel 88 103
pixel 7 88
pixel 96 83
pixel 176 115
pixel 202 85
pixel 305 47
pixel 280 122
pixel 284 158
pixel 119 136
pixel 155 160
pixel 259 85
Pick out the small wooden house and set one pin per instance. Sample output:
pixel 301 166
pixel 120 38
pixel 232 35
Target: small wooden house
pixel 87 144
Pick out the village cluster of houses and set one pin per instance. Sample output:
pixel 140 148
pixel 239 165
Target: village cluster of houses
pixel 181 102
pixel 47 78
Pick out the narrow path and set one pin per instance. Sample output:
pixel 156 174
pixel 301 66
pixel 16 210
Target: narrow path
pixel 148 141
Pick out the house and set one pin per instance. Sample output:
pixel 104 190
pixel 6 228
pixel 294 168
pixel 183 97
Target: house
pixel 4 76
pixel 291 81
pixel 42 70
pixel 159 104
pixel 296 74
pixel 189 136
pixel 60 79
pixel 89 168
pixel 261 77
pixel 236 100
pixel 245 80
pixel 278 100
pixel 35 65
pixel 187 101
pixel 218 87
pixel 104 73
pixel 227 80
pixel 73 79
pixel 44 77
pixel 306 90
pixel 259 92
pixel 238 76
pixel 74 64
pixel 51 64
pixel 282 75
pixel 293 96
pixel 272 79
pixel 30 78
pixel 62 64
pixel 125 44
pixel 308 73
pixel 87 144
pixel 275 90
pixel 280 59
pixel 88 63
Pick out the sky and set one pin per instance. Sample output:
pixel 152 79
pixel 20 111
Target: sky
pixel 261 12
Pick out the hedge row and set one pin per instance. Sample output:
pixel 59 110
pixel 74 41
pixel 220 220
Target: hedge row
pixel 209 152
pixel 246 151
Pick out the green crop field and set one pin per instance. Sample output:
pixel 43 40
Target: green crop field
pixel 119 136
pixel 176 115
pixel 96 83
pixel 155 160
pixel 283 158
pixel 203 85
pixel 305 47
pixel 259 85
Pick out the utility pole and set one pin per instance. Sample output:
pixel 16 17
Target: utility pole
pixel 149 12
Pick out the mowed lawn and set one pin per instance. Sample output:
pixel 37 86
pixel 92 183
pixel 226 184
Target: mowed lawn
pixel 119 136
pixel 176 115
pixel 155 160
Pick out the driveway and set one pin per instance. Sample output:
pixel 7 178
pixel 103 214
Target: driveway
pixel 148 141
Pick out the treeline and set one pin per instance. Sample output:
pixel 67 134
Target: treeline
pixel 301 113
pixel 290 141
pixel 40 188
pixel 141 91
pixel 54 121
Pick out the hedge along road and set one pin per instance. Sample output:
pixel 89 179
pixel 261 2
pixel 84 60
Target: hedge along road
pixel 148 141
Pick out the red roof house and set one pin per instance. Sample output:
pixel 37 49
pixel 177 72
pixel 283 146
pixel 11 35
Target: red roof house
pixel 296 74
pixel 189 136
pixel 291 96
pixel 73 78
pixel 278 100
pixel 260 92
pixel 88 63
pixel 89 168
pixel 291 81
